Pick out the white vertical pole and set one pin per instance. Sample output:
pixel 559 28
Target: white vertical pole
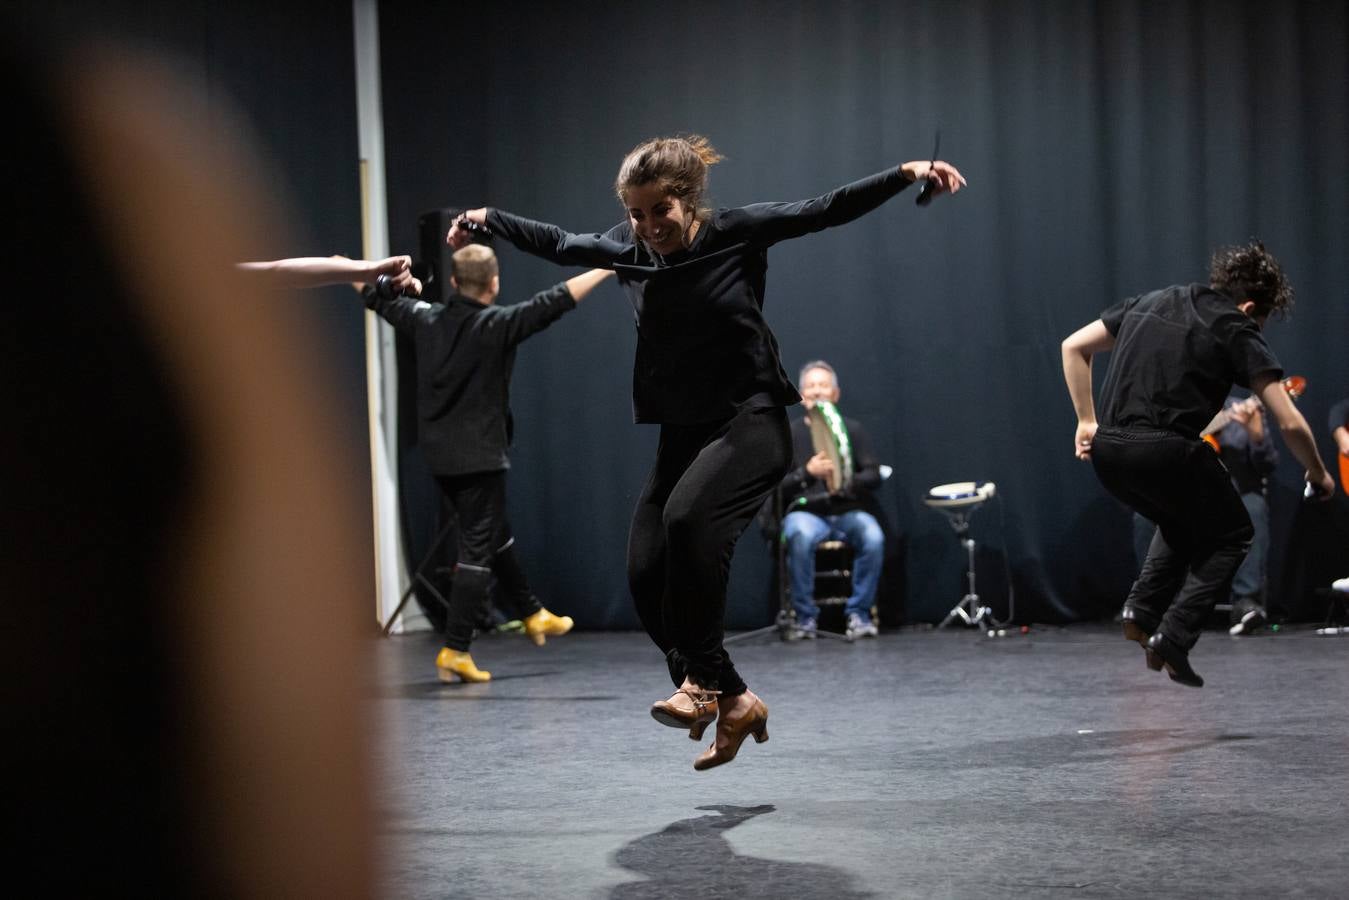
pixel 381 363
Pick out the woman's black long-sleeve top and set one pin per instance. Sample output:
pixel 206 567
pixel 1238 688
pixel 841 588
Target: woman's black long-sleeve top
pixel 704 351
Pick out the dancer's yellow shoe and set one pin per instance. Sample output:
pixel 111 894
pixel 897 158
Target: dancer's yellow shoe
pixel 544 623
pixel 454 665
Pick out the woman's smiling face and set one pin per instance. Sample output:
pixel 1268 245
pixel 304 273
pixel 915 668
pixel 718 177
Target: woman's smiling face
pixel 658 218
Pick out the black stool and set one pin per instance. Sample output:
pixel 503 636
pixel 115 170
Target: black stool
pixel 833 582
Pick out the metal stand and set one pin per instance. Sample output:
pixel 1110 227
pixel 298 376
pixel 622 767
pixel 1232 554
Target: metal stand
pixel 1336 603
pixel 419 576
pixel 970 609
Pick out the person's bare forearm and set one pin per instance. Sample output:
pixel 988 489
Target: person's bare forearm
pixel 317 271
pixel 310 271
pixel 1077 374
pixel 1296 433
pixel 586 282
pixel 1078 349
pixel 1299 440
pixel 1341 436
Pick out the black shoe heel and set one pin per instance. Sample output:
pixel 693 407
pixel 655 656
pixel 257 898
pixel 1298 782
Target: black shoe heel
pixel 1175 659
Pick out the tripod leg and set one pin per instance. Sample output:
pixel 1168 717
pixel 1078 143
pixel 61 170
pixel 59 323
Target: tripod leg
pixel 417 574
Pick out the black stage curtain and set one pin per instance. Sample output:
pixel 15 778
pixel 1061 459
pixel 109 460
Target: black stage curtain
pixel 1108 147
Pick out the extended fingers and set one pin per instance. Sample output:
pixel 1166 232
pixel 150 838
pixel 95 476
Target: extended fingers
pixel 948 177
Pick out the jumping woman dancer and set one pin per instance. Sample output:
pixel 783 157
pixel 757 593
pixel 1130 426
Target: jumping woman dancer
pixel 707 371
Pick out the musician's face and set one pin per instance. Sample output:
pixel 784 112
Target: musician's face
pixel 818 384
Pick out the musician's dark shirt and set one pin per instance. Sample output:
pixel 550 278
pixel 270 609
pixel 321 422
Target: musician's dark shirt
pixel 1248 462
pixel 465 354
pixel 704 351
pixel 1177 353
pixel 1339 415
pixel 803 491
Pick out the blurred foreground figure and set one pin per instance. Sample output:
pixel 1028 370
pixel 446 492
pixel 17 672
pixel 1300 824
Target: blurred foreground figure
pixel 184 563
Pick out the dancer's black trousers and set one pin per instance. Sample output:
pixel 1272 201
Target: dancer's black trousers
pixel 486 549
pixel 1203 530
pixel 706 484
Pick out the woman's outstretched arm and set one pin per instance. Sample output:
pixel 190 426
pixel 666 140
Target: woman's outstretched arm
pixel 768 223
pixel 541 239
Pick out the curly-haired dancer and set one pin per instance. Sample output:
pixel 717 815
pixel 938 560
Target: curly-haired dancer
pixel 1177 353
pixel 707 371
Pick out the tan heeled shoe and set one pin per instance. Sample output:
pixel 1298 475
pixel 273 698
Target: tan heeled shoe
pixel 454 665
pixel 696 719
pixel 541 624
pixel 735 728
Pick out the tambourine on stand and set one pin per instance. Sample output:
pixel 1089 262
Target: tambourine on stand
pixel 958 501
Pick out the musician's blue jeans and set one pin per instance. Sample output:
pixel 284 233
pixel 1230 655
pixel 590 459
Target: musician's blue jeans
pixel 1248 587
pixel 802 532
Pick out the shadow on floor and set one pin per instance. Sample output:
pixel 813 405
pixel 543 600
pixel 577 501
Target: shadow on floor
pixel 434 689
pixel 691 858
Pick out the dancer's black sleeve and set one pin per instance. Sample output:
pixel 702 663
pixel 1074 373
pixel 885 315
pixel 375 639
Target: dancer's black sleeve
pixel 403 312
pixel 512 324
pixel 768 223
pixel 557 245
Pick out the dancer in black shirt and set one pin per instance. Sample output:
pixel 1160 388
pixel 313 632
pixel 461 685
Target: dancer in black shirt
pixel 1176 354
pixel 707 370
pixel 465 355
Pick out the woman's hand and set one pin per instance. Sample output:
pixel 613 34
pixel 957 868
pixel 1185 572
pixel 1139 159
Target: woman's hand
pixel 944 176
pixel 459 237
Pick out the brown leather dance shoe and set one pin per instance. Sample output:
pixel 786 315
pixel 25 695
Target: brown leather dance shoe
pixel 694 713
pixel 735 729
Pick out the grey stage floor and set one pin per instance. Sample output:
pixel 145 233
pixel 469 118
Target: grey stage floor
pixel 920 764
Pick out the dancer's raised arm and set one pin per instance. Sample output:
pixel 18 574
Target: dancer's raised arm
pixel 768 223
pixel 541 239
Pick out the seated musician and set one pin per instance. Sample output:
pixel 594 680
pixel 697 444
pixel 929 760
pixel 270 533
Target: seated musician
pixel 813 513
pixel 1339 430
pixel 1249 454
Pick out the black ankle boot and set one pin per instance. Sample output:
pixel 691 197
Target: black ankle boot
pixel 1162 651
pixel 1138 626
